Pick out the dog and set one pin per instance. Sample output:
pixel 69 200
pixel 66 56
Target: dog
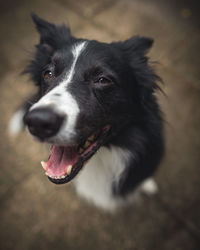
pixel 96 106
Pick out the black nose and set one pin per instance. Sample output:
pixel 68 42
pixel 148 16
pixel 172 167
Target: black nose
pixel 43 122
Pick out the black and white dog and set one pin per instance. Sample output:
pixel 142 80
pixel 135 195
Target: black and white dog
pixel 96 106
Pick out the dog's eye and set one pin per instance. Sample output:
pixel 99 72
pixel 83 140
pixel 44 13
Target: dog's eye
pixel 48 74
pixel 103 81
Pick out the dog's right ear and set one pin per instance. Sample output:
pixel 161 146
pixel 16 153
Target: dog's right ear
pixel 51 35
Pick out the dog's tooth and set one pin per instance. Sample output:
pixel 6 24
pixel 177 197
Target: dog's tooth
pixel 91 138
pixel 44 164
pixel 69 169
pixel 87 144
pixel 51 176
pixel 81 150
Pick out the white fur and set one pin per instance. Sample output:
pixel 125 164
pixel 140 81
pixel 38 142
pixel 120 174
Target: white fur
pixel 65 103
pixel 95 181
pixel 149 186
pixel 16 124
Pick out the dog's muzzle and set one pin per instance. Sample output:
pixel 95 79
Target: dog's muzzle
pixel 65 161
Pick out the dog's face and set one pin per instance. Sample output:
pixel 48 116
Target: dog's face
pixel 88 91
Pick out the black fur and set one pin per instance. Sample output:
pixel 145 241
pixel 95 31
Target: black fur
pixel 126 100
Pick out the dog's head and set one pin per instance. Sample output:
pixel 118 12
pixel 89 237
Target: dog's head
pixel 88 91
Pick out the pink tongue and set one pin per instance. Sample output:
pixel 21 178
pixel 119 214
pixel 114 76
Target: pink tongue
pixel 60 159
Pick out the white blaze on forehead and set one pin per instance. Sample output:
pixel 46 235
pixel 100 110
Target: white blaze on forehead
pixel 62 101
pixel 76 53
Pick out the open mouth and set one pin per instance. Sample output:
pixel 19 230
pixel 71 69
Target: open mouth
pixel 66 161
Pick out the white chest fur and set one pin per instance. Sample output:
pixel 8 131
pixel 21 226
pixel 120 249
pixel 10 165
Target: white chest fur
pixel 95 181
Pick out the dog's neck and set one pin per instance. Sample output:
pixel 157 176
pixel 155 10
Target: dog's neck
pixel 95 181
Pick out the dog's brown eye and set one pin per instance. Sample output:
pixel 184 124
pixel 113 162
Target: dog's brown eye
pixel 103 80
pixel 48 74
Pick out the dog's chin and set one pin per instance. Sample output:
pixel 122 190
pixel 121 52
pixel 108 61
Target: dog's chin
pixel 65 162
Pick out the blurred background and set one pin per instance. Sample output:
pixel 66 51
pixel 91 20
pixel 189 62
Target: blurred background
pixel 36 214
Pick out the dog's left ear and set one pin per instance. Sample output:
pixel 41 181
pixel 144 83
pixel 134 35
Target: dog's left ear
pixel 138 45
pixel 144 77
pixel 51 36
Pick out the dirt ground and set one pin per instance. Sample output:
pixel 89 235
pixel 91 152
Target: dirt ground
pixel 36 214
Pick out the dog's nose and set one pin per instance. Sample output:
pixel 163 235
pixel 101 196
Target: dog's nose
pixel 43 122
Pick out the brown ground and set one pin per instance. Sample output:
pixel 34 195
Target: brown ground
pixel 36 214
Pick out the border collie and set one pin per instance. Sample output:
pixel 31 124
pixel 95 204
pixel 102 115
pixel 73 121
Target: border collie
pixel 96 106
